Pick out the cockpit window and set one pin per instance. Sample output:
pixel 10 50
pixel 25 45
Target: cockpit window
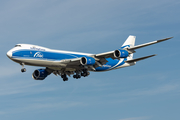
pixel 17 45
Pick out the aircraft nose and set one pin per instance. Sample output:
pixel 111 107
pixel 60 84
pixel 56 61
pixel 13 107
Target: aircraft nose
pixel 9 54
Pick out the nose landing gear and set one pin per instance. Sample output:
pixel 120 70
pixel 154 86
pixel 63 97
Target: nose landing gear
pixel 23 69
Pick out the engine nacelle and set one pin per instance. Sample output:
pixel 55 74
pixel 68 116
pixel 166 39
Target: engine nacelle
pixel 39 74
pixel 87 61
pixel 121 53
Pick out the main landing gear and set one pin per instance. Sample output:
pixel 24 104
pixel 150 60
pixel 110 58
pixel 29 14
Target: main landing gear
pixel 78 75
pixel 85 73
pixel 23 69
pixel 64 76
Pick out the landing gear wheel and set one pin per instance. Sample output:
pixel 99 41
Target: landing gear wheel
pixel 85 73
pixel 23 70
pixel 76 76
pixel 64 77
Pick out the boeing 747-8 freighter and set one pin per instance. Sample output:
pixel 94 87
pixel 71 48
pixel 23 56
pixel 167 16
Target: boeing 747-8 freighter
pixel 66 63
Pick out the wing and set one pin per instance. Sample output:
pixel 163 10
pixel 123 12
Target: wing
pixel 131 49
pixel 138 59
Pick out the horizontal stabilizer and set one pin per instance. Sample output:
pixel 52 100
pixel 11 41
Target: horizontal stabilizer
pixel 147 44
pixel 138 59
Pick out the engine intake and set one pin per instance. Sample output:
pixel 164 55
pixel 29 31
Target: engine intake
pixel 39 74
pixel 121 53
pixel 87 61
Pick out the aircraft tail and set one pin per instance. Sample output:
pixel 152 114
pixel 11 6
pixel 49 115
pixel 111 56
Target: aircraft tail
pixel 130 42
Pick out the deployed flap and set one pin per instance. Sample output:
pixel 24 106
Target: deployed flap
pixel 138 59
pixel 147 44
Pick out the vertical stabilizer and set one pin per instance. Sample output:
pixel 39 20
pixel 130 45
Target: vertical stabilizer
pixel 130 42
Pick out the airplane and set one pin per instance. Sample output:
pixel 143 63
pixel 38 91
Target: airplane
pixel 67 63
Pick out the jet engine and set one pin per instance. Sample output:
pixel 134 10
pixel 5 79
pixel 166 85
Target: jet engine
pixel 121 53
pixel 87 61
pixel 39 74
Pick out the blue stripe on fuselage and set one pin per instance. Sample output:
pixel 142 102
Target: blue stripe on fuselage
pixel 44 55
pixel 111 64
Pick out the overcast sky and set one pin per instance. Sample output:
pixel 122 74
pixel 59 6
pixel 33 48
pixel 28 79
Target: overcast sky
pixel 150 90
